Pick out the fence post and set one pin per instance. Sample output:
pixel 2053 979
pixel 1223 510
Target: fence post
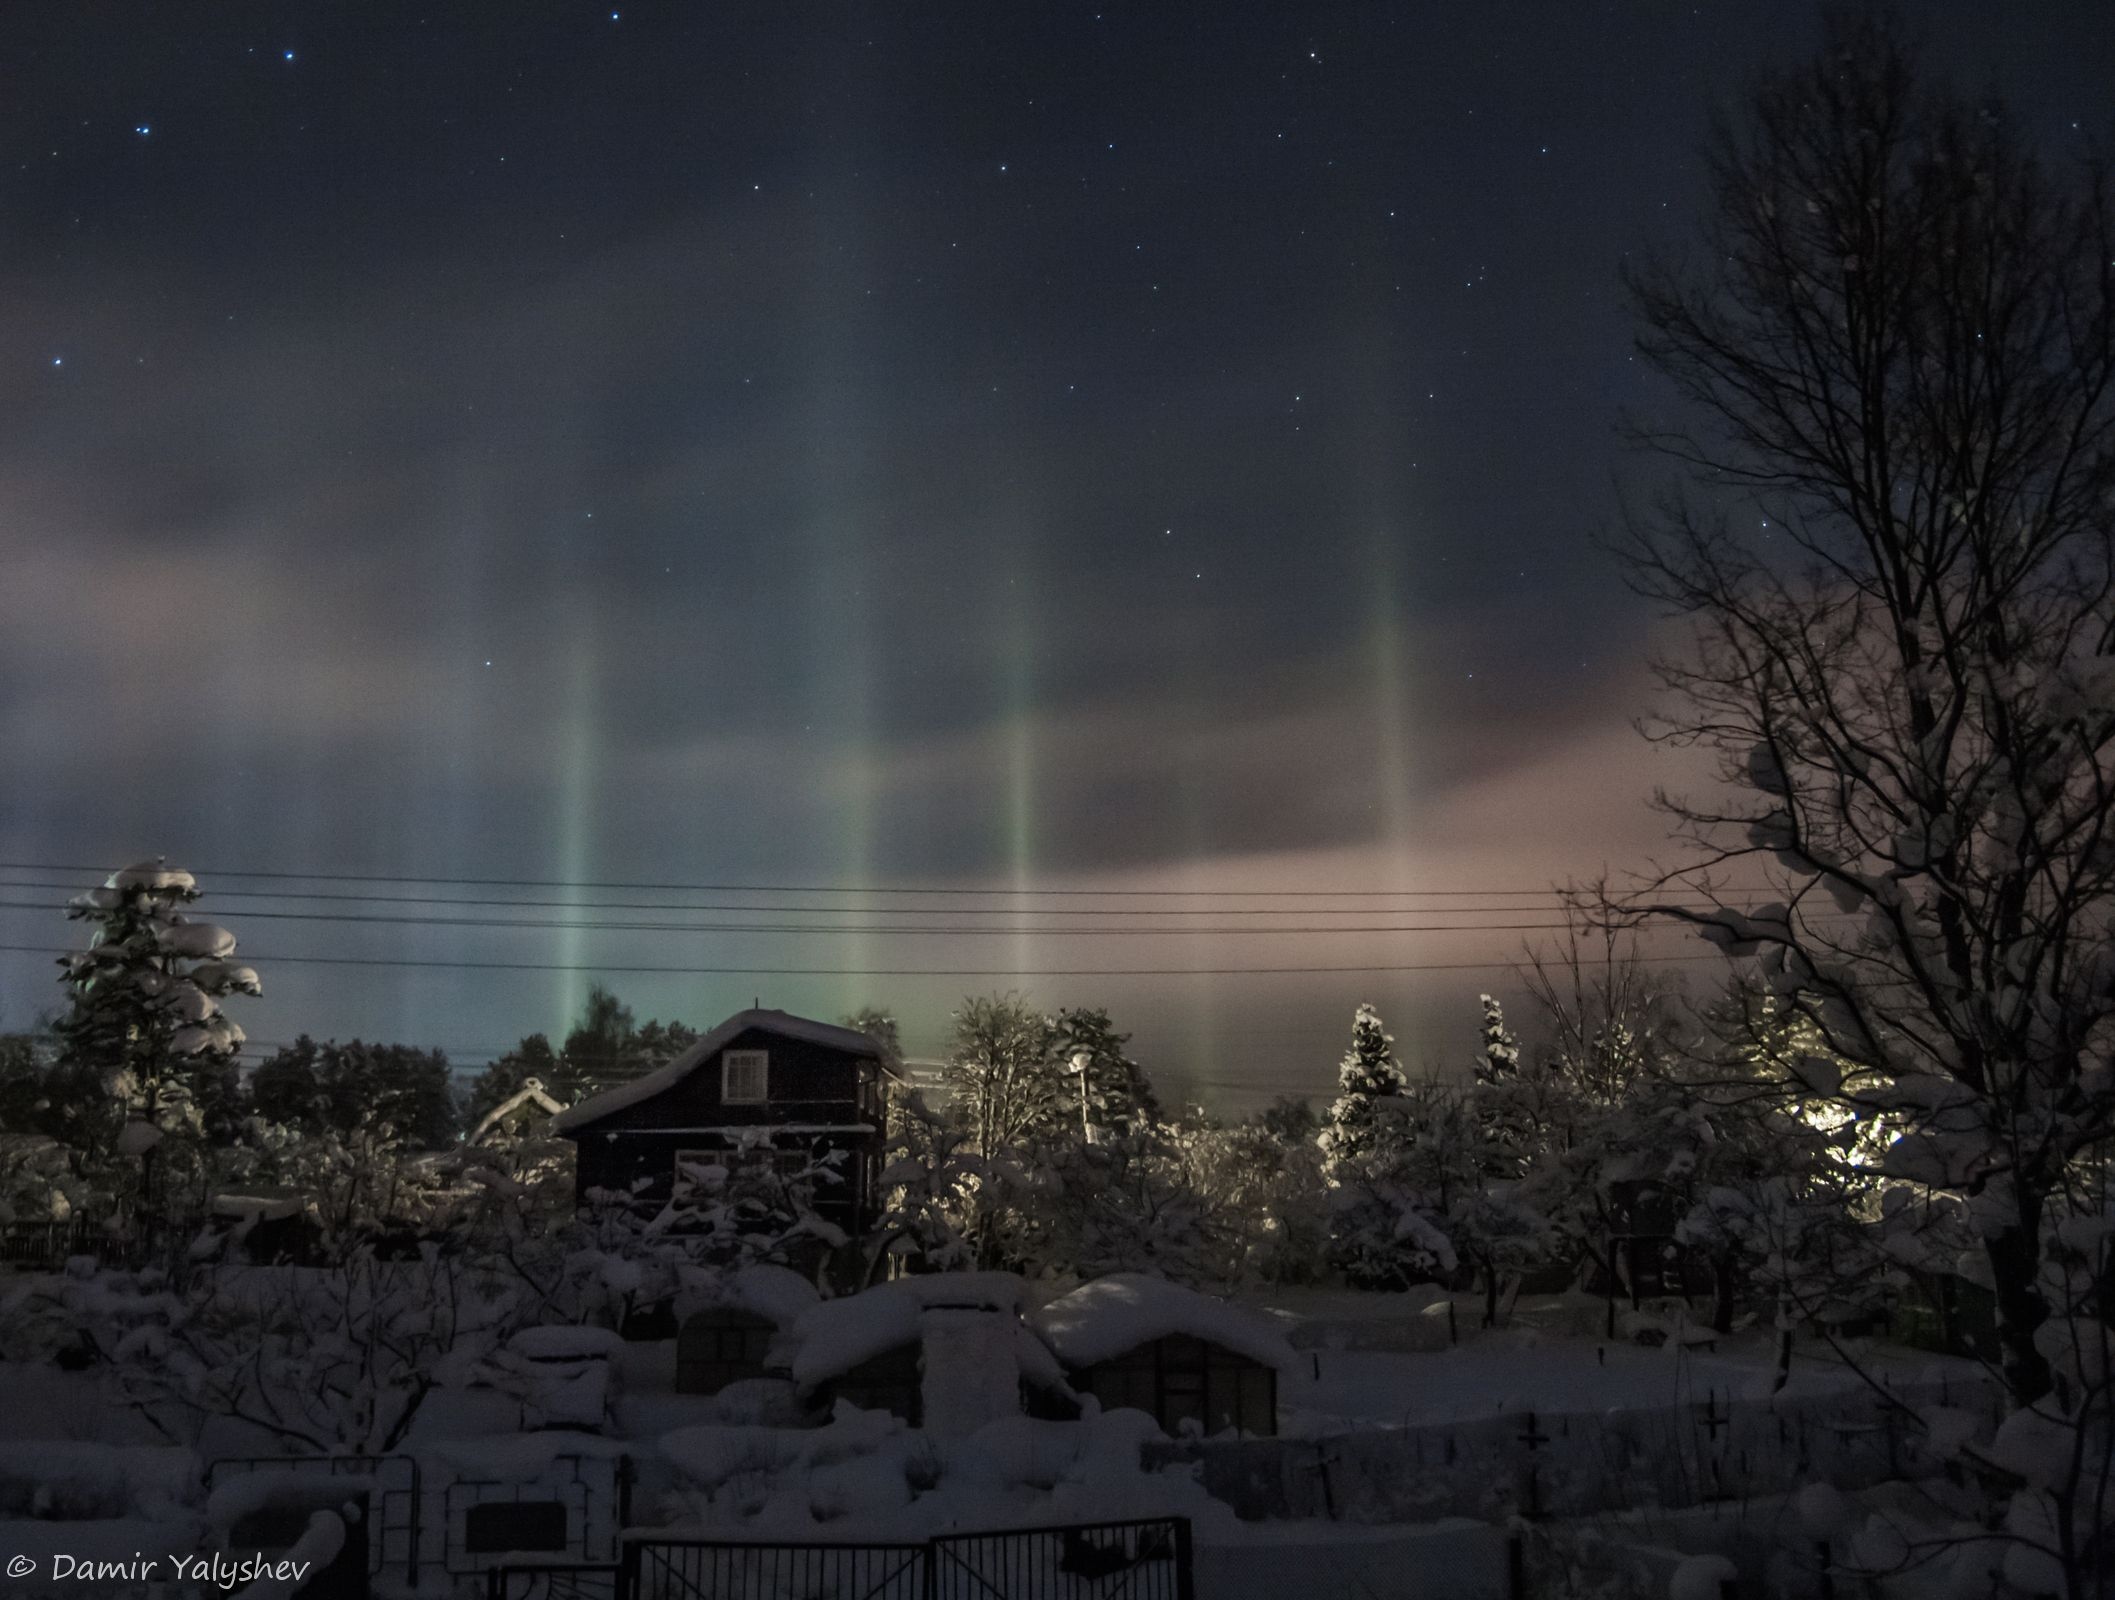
pixel 1185 1577
pixel 628 1569
pixel 929 1569
pixel 417 1520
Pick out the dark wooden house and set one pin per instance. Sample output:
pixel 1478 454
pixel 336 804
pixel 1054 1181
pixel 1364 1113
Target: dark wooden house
pixel 762 1086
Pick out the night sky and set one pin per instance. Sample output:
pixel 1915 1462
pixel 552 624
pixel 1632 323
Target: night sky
pixel 954 446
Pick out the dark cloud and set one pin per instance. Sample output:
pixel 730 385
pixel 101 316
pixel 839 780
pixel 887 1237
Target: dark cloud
pixel 984 444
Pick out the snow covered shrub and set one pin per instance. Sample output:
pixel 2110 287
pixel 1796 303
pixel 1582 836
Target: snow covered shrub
pixel 333 1358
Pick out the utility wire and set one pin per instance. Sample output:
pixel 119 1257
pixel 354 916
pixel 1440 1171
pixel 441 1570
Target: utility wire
pixel 862 972
pixel 101 872
pixel 329 897
pixel 541 924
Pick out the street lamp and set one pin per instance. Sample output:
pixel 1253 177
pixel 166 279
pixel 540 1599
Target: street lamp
pixel 1081 1061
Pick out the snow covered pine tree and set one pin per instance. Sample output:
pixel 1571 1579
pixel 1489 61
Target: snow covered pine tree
pixel 146 1027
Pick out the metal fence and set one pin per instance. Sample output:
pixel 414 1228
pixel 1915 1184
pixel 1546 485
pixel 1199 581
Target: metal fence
pixel 47 1246
pixel 686 1569
pixel 1148 1559
pixel 554 1580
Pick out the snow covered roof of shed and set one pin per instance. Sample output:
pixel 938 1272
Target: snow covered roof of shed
pixel 565 1342
pixel 1101 1320
pixel 777 1294
pixel 782 1023
pixel 834 1336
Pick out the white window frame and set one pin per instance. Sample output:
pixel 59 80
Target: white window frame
pixel 761 1061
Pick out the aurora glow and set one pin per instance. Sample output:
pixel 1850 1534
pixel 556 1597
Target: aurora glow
pixel 1021 447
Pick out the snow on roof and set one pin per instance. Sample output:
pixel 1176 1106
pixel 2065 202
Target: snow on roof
pixel 566 1342
pixel 783 1023
pixel 1101 1320
pixel 531 1092
pixel 265 1202
pixel 777 1294
pixel 834 1336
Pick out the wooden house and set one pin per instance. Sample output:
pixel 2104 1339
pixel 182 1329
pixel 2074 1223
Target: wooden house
pixel 763 1086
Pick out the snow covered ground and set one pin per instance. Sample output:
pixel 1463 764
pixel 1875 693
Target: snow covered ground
pixel 1366 1365
pixel 1525 1369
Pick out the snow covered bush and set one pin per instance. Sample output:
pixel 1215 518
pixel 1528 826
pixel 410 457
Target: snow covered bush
pixel 324 1359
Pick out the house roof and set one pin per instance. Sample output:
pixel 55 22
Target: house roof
pixel 531 1092
pixel 1102 1319
pixel 832 1337
pixel 782 1023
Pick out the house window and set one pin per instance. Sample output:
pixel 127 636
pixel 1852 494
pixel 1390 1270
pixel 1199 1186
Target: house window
pixel 780 1163
pixel 743 1077
pixel 514 1525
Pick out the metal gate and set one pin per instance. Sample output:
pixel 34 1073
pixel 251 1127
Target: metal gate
pixel 1148 1559
pixel 1143 1560
pixel 681 1569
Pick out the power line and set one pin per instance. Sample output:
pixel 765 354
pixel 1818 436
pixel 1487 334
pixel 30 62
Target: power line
pixel 799 888
pixel 329 897
pixel 559 924
pixel 868 972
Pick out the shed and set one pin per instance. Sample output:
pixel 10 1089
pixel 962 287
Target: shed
pixel 947 1352
pixel 729 1322
pixel 1186 1359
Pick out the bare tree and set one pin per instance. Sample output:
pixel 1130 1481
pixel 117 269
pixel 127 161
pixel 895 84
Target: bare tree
pixel 1896 547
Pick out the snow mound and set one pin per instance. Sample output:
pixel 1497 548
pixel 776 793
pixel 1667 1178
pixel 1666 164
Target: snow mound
pixel 565 1342
pixel 865 1476
pixel 73 1481
pixel 1101 1320
pixel 834 1336
pixel 264 1488
pixel 308 1555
